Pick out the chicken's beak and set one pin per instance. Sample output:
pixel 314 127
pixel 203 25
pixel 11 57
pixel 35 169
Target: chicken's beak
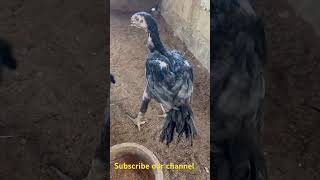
pixel 134 24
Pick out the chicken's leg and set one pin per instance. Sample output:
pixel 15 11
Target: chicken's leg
pixel 143 109
pixel 138 120
pixel 164 115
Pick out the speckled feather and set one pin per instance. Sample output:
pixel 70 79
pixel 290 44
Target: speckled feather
pixel 171 84
pixel 169 81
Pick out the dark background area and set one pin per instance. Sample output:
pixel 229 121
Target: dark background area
pixel 292 116
pixel 53 104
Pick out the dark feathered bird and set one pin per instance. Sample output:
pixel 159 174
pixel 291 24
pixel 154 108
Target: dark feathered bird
pixel 169 81
pixel 238 91
pixel 6 56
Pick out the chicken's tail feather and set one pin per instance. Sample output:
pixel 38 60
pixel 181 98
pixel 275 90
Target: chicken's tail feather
pixel 179 120
pixel 259 169
pixel 246 159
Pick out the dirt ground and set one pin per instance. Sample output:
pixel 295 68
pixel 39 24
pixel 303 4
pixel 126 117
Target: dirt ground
pixel 292 117
pixel 127 55
pixel 53 105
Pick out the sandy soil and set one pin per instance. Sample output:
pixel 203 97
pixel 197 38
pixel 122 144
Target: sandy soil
pixel 127 53
pixel 292 117
pixel 53 105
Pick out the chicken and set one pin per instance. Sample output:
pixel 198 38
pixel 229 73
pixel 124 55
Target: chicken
pixel 169 80
pixel 238 91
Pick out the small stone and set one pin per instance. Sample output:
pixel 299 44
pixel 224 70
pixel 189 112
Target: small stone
pixel 207 169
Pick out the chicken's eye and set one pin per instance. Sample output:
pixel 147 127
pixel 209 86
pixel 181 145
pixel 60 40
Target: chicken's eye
pixel 137 19
pixel 141 21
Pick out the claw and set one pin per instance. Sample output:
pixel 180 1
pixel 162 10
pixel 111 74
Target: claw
pixel 137 121
pixel 164 115
pixel 162 108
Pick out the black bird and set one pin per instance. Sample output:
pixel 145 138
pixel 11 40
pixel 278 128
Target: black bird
pixel 6 56
pixel 169 81
pixel 238 91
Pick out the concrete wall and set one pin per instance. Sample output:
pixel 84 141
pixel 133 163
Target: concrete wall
pixel 132 5
pixel 190 21
pixel 309 10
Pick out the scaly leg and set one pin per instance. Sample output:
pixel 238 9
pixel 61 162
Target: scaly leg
pixel 138 120
pixel 164 115
pixel 143 109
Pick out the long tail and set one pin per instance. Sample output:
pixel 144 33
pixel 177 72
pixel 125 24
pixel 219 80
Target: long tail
pixel 180 120
pixel 246 159
pixel 258 164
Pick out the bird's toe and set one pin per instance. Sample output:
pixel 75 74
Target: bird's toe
pixel 162 115
pixel 137 121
